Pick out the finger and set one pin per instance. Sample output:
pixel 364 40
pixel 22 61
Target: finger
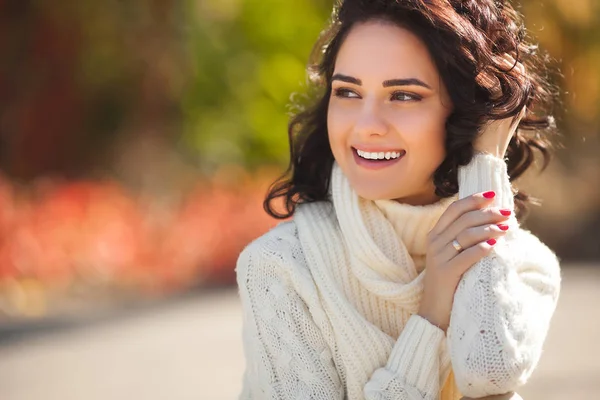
pixel 470 222
pixel 460 207
pixel 464 260
pixel 471 237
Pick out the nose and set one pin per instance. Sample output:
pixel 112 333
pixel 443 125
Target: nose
pixel 370 121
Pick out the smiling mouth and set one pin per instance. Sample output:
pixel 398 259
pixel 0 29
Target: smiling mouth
pixel 381 156
pixel 377 160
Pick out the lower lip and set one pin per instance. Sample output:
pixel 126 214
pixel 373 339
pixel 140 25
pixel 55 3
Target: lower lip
pixel 375 164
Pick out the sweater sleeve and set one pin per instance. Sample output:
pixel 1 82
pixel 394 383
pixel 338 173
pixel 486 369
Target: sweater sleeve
pixel 417 367
pixel 287 356
pixel 504 303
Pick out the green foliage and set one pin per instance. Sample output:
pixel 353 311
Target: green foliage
pixel 219 72
pixel 247 56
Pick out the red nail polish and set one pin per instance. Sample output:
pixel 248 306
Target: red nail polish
pixel 503 227
pixel 506 213
pixel 491 242
pixel 489 195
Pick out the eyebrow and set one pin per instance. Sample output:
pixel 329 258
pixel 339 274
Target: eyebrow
pixel 387 83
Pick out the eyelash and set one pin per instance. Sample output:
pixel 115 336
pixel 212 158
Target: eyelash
pixel 343 93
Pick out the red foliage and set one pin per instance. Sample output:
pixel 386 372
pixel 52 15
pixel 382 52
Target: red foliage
pixel 76 231
pixel 211 228
pixel 96 232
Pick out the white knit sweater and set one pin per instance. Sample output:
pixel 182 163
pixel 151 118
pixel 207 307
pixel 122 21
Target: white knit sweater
pixel 329 302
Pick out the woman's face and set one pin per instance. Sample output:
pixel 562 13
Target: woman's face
pixel 387 101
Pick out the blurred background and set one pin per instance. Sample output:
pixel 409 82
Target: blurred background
pixel 137 140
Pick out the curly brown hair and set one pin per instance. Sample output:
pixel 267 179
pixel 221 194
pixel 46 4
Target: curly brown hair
pixel 466 40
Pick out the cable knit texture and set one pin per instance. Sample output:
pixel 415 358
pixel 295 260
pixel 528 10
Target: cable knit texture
pixel 330 300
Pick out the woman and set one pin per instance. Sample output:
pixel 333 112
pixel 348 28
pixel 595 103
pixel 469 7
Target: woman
pixel 404 273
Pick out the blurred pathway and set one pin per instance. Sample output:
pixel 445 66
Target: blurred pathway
pixel 191 349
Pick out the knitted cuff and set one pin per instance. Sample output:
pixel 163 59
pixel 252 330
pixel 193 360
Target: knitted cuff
pixel 416 355
pixel 486 172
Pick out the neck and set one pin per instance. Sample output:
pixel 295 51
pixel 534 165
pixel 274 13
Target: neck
pixel 424 198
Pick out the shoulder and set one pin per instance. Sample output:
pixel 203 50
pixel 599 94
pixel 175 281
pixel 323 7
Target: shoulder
pixel 270 254
pixel 273 274
pixel 284 239
pixel 279 240
pixel 279 255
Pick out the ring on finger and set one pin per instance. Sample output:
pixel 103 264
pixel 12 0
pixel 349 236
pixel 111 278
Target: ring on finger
pixel 457 245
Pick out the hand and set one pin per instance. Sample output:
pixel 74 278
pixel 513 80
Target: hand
pixel 495 135
pixel 472 223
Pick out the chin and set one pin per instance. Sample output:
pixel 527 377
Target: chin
pixel 374 192
pixel 371 193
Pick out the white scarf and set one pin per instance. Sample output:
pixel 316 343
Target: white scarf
pixel 385 240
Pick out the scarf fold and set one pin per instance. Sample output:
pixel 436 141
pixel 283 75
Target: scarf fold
pixel 384 238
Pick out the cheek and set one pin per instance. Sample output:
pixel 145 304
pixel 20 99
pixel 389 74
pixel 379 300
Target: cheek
pixel 338 126
pixel 424 131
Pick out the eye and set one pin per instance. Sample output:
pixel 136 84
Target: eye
pixel 403 96
pixel 345 93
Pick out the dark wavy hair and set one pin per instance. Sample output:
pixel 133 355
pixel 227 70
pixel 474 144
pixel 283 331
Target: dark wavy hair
pixel 466 40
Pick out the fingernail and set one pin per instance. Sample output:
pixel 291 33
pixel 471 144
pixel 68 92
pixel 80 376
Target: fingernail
pixel 489 195
pixel 503 227
pixel 506 213
pixel 491 242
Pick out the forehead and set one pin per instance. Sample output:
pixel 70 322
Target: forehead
pixel 379 50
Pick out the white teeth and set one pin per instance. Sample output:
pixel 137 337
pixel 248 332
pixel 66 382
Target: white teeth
pixel 378 156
